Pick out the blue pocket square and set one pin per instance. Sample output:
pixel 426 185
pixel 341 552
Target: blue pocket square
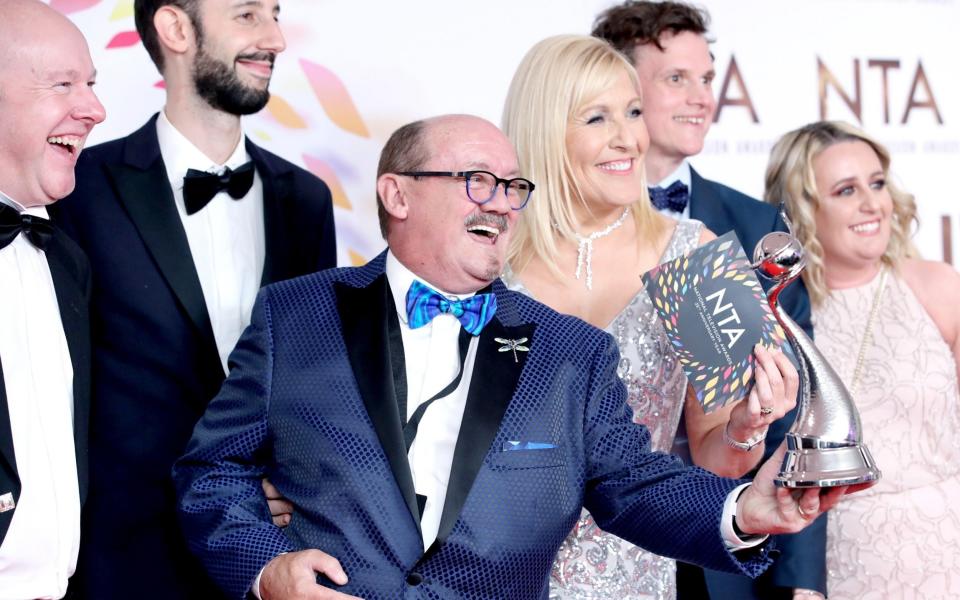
pixel 514 445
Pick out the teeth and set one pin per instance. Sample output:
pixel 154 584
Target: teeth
pixel 65 141
pixel 693 120
pixel 484 229
pixel 620 165
pixel 866 227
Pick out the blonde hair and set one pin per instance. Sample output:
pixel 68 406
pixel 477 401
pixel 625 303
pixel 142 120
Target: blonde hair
pixel 791 179
pixel 554 81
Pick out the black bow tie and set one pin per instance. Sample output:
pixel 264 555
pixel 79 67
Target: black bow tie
pixel 673 198
pixel 37 229
pixel 199 187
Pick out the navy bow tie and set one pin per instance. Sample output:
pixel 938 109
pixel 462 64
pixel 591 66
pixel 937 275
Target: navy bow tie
pixel 423 304
pixel 673 198
pixel 199 187
pixel 12 223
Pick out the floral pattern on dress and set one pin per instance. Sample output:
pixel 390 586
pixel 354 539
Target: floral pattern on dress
pixel 900 538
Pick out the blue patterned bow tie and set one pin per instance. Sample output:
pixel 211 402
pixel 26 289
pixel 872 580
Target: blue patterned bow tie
pixel 673 198
pixel 423 304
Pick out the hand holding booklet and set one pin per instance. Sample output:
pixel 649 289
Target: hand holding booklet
pixel 714 311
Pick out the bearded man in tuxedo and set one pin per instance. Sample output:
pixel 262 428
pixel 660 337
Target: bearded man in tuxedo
pixel 183 221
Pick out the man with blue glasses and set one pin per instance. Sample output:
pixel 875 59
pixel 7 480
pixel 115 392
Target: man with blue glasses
pixel 437 433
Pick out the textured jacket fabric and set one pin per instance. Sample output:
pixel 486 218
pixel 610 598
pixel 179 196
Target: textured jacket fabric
pixel 310 403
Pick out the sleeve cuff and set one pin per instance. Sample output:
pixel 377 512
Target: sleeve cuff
pixel 731 539
pixel 255 587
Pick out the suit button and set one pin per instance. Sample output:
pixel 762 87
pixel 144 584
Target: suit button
pixel 414 578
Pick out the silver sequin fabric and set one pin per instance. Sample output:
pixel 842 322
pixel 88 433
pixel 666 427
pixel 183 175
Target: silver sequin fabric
pixel 592 564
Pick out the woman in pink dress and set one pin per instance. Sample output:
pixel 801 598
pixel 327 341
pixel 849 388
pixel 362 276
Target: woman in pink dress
pixel 889 323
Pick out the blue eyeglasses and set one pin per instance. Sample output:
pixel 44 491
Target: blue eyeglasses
pixel 482 185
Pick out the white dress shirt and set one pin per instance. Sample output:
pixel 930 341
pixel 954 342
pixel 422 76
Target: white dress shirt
pixel 432 357
pixel 681 174
pixel 39 552
pixel 226 237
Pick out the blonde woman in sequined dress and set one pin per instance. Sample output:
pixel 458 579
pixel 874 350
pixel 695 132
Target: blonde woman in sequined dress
pixel 574 112
pixel 889 324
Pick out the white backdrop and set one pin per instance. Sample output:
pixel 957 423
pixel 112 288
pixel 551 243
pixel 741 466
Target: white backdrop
pixel 355 70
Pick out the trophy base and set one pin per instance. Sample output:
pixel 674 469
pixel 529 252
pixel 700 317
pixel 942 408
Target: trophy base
pixel 824 467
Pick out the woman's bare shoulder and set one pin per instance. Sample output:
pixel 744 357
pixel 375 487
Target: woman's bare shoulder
pixel 937 286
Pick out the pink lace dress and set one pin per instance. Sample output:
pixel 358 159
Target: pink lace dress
pixel 593 564
pixel 900 538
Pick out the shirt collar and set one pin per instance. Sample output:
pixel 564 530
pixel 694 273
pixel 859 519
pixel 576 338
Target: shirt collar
pixel 400 277
pixel 681 174
pixel 36 211
pixel 180 154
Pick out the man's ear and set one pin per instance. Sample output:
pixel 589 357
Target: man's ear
pixel 174 29
pixel 390 187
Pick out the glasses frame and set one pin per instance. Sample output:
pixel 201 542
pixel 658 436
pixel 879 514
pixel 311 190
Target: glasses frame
pixel 466 179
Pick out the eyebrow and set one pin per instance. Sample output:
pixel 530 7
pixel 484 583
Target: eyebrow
pixel 606 107
pixel 482 166
pixel 65 74
pixel 853 178
pixel 844 181
pixel 254 3
pixel 687 71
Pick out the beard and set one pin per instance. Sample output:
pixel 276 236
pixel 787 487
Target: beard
pixel 220 86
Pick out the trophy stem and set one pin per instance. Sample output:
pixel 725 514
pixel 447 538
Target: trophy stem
pixel 825 444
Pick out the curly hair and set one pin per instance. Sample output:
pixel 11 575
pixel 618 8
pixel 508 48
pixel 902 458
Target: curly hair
pixel 636 23
pixel 790 179
pixel 554 81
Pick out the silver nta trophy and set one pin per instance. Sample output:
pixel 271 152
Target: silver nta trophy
pixel 824 446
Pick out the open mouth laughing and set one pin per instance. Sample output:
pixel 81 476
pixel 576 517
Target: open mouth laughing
pixel 486 228
pixel 70 143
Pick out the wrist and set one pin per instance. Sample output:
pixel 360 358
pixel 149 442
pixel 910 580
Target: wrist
pixel 741 524
pixel 735 538
pixel 743 440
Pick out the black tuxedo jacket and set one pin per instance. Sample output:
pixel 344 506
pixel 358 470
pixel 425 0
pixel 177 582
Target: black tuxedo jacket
pixel 155 361
pixel 802 562
pixel 71 280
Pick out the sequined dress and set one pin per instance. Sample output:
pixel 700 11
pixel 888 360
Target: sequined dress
pixel 593 564
pixel 900 538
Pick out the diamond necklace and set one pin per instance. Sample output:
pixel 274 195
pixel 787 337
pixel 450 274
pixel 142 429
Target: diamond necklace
pixel 585 247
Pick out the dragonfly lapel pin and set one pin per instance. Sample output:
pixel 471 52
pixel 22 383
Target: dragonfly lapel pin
pixel 512 346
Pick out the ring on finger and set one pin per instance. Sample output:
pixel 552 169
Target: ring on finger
pixel 766 410
pixel 806 516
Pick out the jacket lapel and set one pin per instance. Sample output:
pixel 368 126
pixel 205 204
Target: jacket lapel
pixel 142 185
pixel 8 461
pixel 72 300
pixel 704 207
pixel 365 316
pixel 487 401
pixel 280 224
